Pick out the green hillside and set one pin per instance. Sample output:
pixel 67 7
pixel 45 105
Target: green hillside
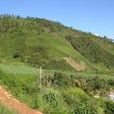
pixel 36 42
pixel 76 66
pixel 39 42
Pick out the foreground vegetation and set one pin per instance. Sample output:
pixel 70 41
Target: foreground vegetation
pixel 58 92
pixel 5 110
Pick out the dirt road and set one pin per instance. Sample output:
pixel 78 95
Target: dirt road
pixel 13 103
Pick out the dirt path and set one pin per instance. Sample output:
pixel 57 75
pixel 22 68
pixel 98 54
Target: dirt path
pixel 13 103
pixel 74 64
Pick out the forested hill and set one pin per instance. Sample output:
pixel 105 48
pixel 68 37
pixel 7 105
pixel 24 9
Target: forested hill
pixel 39 42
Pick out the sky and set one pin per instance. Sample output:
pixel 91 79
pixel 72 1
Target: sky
pixel 95 16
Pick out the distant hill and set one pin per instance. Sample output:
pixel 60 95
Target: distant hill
pixel 39 42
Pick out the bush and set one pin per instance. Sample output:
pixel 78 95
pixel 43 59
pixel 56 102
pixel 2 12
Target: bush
pixel 84 108
pixel 54 102
pixel 79 102
pixel 109 107
pixel 96 84
pixel 111 82
pixel 16 55
pixel 59 79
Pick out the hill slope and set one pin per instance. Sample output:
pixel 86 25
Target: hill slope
pixel 39 42
pixel 28 43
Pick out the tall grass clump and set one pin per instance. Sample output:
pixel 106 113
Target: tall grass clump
pixel 5 110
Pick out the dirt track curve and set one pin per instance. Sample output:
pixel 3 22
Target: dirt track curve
pixel 13 103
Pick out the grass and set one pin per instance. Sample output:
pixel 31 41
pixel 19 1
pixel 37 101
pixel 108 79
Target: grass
pixel 21 69
pixel 44 50
pixel 5 110
pixel 39 42
pixel 60 98
pixel 17 69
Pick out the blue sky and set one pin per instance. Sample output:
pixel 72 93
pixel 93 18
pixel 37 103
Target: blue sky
pixel 96 16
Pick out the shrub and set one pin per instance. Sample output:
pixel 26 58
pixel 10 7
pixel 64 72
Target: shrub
pixel 109 107
pixel 16 54
pixel 111 82
pixel 96 84
pixel 60 80
pixel 82 107
pixel 79 102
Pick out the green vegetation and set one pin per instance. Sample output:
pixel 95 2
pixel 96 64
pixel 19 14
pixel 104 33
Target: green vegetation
pixel 109 107
pixel 94 49
pixel 58 92
pixel 29 43
pixel 39 42
pixel 50 99
pixel 5 110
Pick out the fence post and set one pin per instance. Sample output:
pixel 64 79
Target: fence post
pixel 40 78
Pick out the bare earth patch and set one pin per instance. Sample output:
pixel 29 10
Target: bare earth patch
pixel 74 64
pixel 13 103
